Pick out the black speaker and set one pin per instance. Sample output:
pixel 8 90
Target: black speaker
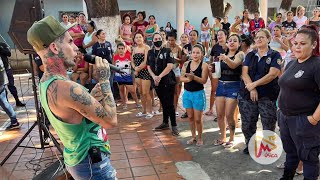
pixel 25 13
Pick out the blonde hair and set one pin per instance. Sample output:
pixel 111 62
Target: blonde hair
pixel 298 9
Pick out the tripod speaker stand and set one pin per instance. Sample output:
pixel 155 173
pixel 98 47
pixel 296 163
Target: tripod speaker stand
pixel 40 123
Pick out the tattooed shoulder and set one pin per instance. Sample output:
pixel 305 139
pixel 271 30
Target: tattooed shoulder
pixel 79 95
pixel 52 92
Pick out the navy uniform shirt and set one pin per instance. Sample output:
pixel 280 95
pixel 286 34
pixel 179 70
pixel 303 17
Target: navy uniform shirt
pixel 271 58
pixel 300 87
pixel 103 50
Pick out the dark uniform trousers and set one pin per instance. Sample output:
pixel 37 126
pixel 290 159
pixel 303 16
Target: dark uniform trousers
pixel 250 111
pixel 301 141
pixel 166 96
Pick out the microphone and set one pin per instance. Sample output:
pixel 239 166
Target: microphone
pixel 92 59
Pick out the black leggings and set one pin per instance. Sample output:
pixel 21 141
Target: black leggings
pixel 166 95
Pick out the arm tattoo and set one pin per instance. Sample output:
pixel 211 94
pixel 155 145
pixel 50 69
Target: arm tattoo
pixel 103 74
pixel 100 112
pixel 53 92
pixel 77 94
pixel 109 100
pixel 105 87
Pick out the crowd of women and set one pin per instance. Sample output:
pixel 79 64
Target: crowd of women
pixel 262 70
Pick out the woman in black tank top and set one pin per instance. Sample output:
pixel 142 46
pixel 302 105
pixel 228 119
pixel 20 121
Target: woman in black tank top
pixel 194 75
pixel 228 89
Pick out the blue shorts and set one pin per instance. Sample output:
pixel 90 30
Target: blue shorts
pixel 228 89
pixel 195 100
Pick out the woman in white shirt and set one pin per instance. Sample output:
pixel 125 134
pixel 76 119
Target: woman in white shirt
pixel 300 19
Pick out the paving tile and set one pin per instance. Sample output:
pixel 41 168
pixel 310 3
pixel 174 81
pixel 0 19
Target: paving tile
pixel 152 144
pixel 120 164
pixel 133 147
pixel 114 136
pixel 117 149
pixel 131 141
pixel 124 173
pixel 129 135
pixel 145 161
pixel 137 154
pixel 28 157
pixel 118 156
pixel 153 177
pixel 8 167
pixel 156 152
pixel 12 159
pixel 185 156
pixel 143 171
pixel 171 176
pixel 115 142
pixel 21 166
pixel 113 131
pixel 161 159
pixel 23 174
pixel 126 179
pixel 165 168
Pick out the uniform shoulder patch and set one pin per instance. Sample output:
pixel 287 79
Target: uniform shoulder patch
pixel 279 61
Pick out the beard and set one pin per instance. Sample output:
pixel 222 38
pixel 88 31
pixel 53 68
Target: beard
pixel 69 63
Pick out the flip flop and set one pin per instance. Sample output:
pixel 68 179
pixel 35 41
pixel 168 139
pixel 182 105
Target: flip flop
pixel 298 173
pixel 229 144
pixel 199 143
pixel 218 142
pixel 140 114
pixel 208 113
pixel 192 141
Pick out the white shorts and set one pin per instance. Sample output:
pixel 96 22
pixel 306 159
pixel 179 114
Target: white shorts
pixel 177 71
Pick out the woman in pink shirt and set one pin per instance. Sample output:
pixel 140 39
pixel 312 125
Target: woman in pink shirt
pixel 76 33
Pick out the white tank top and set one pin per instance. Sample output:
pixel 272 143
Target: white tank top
pixel 207 31
pixel 87 39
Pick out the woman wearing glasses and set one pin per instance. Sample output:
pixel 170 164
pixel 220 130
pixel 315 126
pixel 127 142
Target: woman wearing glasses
pixel 259 87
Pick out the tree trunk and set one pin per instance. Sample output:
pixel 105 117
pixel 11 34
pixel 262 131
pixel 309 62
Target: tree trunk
pixel 251 5
pixel 106 15
pixel 217 8
pixel 284 7
pixel 286 4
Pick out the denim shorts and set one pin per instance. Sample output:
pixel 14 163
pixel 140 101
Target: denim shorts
pixel 228 89
pixel 195 100
pixel 86 170
pixel 205 37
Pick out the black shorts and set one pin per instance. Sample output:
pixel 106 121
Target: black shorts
pixel 125 83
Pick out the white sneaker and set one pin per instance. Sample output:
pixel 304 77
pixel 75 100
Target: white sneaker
pixel 177 114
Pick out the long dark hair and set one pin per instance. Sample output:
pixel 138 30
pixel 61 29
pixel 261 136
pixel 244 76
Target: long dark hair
pixel 202 21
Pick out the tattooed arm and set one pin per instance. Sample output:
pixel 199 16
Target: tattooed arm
pixel 70 102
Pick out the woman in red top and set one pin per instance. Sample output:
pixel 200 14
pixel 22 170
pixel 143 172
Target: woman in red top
pixel 76 33
pixel 80 71
pixel 139 24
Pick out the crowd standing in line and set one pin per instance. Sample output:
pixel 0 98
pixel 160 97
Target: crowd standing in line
pixel 246 60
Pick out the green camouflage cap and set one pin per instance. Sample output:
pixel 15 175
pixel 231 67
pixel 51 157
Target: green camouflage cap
pixel 42 33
